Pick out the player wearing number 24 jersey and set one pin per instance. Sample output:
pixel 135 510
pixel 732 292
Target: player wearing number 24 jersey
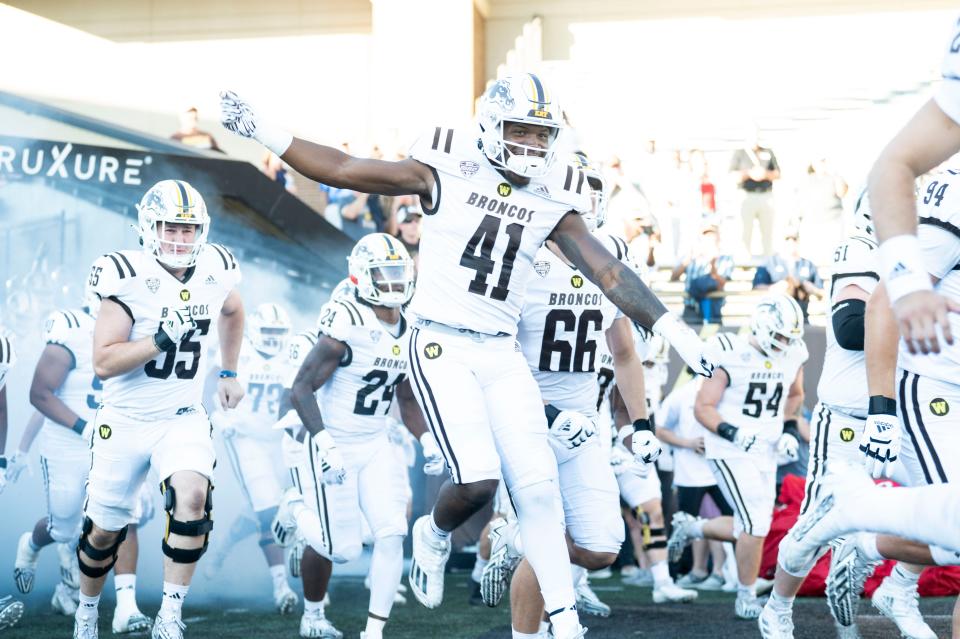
pixel 491 195
pixel 156 314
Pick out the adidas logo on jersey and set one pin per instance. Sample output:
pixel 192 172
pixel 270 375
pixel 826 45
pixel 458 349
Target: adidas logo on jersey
pixel 210 280
pixel 898 270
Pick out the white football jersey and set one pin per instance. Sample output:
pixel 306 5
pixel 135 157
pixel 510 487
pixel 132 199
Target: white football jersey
pixel 8 357
pixel 262 378
pixel 479 240
pixel 169 384
pixel 938 227
pixel 356 399
pixel 948 95
pixel 754 399
pixel 298 347
pixel 843 381
pixel 563 322
pixel 81 390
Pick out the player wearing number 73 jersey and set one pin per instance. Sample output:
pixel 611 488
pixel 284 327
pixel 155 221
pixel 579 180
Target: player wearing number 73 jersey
pixel 492 193
pixel 157 308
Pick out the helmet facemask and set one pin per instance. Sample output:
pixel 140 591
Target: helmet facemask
pixel 777 325
pixel 166 207
pixel 382 271
pixel 268 329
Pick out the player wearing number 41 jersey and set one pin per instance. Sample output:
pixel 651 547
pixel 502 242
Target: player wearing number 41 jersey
pixel 157 307
pixel 492 194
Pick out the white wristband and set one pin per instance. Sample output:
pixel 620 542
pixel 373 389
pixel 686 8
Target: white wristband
pixel 275 139
pixel 902 267
pixel 670 327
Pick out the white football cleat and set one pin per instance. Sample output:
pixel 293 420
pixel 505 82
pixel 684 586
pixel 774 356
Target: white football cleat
pixel 747 606
pixel 25 566
pixel 168 628
pixel 62 600
pixel 125 621
pixel 10 611
pixel 285 599
pixel 69 566
pixel 640 577
pixel 775 624
pixel 503 561
pixel 849 571
pixel 316 626
pixel 681 535
pixel 427 566
pixel 84 628
pixel 670 592
pixel 284 525
pixel 588 601
pixel 901 606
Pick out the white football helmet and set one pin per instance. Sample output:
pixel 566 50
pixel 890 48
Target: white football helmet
pixel 862 215
pixel 172 202
pixel 344 290
pixel 382 270
pixel 777 324
pixel 519 98
pixel 598 191
pixel 268 328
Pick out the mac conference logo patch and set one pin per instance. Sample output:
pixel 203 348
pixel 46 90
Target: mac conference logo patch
pixel 939 406
pixel 105 431
pixel 432 350
pixel 846 434
pixel 504 189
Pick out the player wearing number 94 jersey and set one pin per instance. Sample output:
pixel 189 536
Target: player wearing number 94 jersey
pixel 492 193
pixel 157 307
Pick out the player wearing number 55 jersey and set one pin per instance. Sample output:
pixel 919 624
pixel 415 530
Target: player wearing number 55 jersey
pixel 491 194
pixel 750 411
pixel 157 307
pixel 349 471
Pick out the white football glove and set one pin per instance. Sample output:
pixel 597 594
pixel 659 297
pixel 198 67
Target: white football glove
pixel 788 449
pixel 237 116
pixel 223 423
pixel 173 328
pixel 326 456
pixel 646 447
pixel 435 463
pixel 620 459
pixel 16 464
pixel 736 436
pixel 880 444
pixel 572 429
pixel 700 356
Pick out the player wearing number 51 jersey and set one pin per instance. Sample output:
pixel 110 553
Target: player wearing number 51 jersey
pixel 492 194
pixel 157 307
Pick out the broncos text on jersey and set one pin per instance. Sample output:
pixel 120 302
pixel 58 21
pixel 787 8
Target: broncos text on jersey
pixel 356 399
pixel 167 385
pixel 480 237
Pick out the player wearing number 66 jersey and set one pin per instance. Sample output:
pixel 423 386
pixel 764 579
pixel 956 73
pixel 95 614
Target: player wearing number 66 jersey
pixel 343 394
pixel 750 410
pixel 157 308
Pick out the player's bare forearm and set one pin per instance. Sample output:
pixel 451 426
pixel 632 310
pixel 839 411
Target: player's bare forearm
pixel 669 437
pixel 621 416
pixel 410 411
pixel 230 328
pixel 618 282
pixel 111 360
pixel 795 396
pixel 627 368
pixel 333 167
pixel 51 407
pixel 881 339
pixel 48 376
pixel 708 397
pixel 317 368
pixel 928 139
pixel 30 432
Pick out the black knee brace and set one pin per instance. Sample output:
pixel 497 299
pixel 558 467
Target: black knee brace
pixel 657 539
pixel 95 572
pixel 194 528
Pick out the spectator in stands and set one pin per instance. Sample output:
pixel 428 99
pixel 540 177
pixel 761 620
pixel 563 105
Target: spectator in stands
pixel 790 273
pixel 191 135
pixel 274 168
pixel 821 210
pixel 708 190
pixel 755 169
pixel 705 271
pixel 408 218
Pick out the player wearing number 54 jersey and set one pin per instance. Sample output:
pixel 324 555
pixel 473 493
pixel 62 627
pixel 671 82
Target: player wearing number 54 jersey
pixel 492 194
pixel 157 307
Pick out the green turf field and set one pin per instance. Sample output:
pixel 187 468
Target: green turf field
pixel 634 615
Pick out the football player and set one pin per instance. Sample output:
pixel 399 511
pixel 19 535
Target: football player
pixel 912 393
pixel 491 195
pixel 157 308
pixel 66 391
pixel 749 410
pixel 342 394
pixel 931 137
pixel 10 609
pixel 253 446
